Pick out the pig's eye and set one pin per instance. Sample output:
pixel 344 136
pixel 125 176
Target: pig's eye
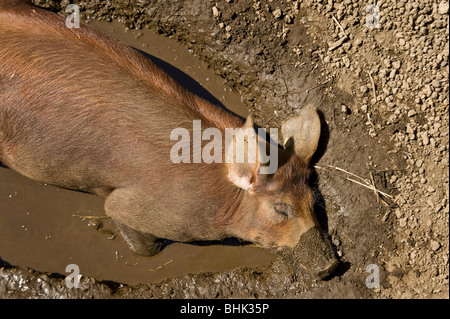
pixel 283 209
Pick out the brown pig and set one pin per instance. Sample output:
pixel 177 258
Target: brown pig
pixel 83 111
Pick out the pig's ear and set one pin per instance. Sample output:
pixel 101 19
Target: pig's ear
pixel 302 133
pixel 242 157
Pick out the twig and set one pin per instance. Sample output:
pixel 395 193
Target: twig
pixel 389 170
pixel 169 262
pixel 131 264
pixel 373 86
pixel 371 187
pixel 88 217
pixel 385 216
pixel 375 188
pixel 442 108
pixel 408 154
pixel 344 171
pixel 372 126
pixel 339 42
pixel 162 266
pixel 348 238
pixel 367 184
pixel 339 25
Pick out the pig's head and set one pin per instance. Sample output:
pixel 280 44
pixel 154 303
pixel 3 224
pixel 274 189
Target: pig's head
pixel 277 210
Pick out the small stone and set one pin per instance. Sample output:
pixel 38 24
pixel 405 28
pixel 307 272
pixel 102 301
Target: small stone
pixel 435 245
pixel 358 42
pixel 327 59
pixel 277 13
pixel 216 12
pixel 402 222
pixel 419 163
pixel 346 61
pixel 392 73
pixel 436 84
pixel 443 8
pixel 425 138
pixel 345 109
pixel 411 113
pixel 396 65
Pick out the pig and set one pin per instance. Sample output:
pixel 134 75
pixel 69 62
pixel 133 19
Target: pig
pixel 82 111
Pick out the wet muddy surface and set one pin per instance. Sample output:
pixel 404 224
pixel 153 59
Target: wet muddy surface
pixel 275 56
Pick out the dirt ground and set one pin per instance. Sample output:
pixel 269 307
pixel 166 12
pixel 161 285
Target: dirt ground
pixel 380 80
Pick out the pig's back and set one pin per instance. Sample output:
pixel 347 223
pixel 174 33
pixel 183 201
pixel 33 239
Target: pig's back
pixel 80 110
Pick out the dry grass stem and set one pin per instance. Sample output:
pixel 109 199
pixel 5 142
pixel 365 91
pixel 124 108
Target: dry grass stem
pixel 366 183
pixel 375 188
pixel 344 171
pixel 373 86
pixel 348 238
pixel 90 217
pixel 371 187
pixel 339 25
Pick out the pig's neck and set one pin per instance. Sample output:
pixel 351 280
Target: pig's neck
pixel 231 213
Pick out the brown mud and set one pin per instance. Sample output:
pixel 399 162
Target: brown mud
pixel 277 56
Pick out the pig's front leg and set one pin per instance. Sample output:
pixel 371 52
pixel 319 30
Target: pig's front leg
pixel 140 243
pixel 123 206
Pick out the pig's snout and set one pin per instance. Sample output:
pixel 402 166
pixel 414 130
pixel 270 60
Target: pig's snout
pixel 315 253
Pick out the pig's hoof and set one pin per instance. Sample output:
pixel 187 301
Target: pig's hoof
pixel 147 248
pixel 140 243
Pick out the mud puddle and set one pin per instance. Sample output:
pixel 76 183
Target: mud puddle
pixel 47 228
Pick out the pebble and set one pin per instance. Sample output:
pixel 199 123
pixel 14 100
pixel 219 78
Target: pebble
pixel 435 245
pixel 216 12
pixel 402 222
pixel 411 113
pixel 358 42
pixel 345 109
pixel 396 65
pixel 419 163
pixel 443 8
pixel 425 138
pixel 436 84
pixel 409 129
pixel 277 13
pixel 392 73
pixel 346 61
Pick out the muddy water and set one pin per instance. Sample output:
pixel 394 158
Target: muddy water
pixel 48 228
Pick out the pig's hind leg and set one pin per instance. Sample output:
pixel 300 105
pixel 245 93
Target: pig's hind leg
pixel 125 208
